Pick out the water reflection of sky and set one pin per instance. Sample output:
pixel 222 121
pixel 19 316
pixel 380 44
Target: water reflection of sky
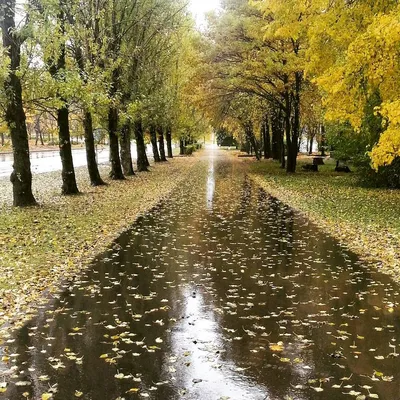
pixel 198 340
pixel 210 185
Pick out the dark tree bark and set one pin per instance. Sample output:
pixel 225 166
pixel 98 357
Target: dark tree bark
pixel 68 174
pixel 293 148
pixel 94 174
pixel 323 140
pixel 116 168
pixel 153 140
pixel 21 176
pixel 145 156
pixel 181 147
pixel 267 138
pixel 282 155
pixel 311 145
pixel 38 131
pixel 142 162
pixel 2 138
pixel 277 134
pixel 69 185
pixel 248 127
pixel 292 128
pixel 168 136
pixel 126 155
pixel 161 144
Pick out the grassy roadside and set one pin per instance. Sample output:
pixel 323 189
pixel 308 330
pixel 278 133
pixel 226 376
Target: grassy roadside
pixel 44 245
pixel 366 220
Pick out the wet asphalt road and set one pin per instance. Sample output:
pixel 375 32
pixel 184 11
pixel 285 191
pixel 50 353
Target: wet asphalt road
pixel 220 292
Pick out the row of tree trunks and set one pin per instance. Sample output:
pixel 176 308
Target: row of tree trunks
pixel 251 138
pixel 121 161
pixel 21 176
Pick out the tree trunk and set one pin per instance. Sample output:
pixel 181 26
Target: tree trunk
pixel 323 138
pixel 267 138
pixel 169 142
pixel 181 147
pixel 142 162
pixel 21 176
pixel 153 140
pixel 69 185
pixel 311 145
pixel 2 138
pixel 116 169
pixel 126 156
pixel 282 154
pixel 251 138
pixel 161 145
pixel 292 135
pixel 277 134
pixel 67 173
pixel 94 174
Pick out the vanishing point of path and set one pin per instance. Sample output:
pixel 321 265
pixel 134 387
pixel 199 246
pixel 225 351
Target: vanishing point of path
pixel 220 292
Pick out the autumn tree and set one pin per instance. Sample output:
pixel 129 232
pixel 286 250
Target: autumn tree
pixel 13 39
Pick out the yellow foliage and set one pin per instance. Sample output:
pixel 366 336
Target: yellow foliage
pixel 387 149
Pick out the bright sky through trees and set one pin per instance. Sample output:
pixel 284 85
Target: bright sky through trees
pixel 200 7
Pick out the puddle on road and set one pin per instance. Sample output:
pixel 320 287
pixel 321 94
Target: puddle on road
pixel 221 292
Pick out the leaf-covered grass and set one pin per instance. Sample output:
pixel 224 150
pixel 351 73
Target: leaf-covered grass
pixel 365 219
pixel 41 246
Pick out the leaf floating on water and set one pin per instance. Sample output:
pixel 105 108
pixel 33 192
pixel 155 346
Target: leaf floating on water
pixel 132 390
pixel 47 396
pixel 3 387
pixel 78 393
pixel 276 346
pixel 317 389
pixel 23 383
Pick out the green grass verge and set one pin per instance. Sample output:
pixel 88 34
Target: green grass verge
pixel 365 219
pixel 335 195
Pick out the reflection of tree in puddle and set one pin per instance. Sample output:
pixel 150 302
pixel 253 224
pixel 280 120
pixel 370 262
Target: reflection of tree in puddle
pixel 247 301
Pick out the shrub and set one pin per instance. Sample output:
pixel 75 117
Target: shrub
pixel 189 150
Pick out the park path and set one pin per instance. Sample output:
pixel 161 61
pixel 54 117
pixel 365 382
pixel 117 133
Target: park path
pixel 220 292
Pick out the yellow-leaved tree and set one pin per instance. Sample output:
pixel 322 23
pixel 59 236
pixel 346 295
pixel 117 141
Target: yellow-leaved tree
pixel 353 57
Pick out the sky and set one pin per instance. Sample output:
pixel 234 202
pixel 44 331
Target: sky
pixel 200 7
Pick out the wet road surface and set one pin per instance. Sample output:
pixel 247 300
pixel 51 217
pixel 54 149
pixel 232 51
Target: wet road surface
pixel 220 292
